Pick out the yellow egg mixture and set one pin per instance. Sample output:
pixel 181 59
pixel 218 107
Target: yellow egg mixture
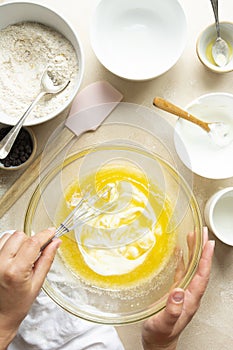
pixel 132 242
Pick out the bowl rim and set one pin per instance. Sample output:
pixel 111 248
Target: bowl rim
pixel 206 63
pixel 113 318
pixel 81 58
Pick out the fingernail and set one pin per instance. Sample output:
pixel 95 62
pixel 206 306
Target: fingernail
pixel 58 242
pixel 51 228
pixel 178 296
pixel 205 234
pixel 212 243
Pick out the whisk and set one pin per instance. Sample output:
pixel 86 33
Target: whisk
pixel 85 211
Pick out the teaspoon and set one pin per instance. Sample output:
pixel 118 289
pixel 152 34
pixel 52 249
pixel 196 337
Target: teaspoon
pixel 220 49
pixel 47 87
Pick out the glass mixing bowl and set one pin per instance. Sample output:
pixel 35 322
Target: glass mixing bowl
pixel 131 296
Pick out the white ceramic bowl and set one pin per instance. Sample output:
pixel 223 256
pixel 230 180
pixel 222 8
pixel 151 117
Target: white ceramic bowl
pixel 26 163
pixel 15 12
pixel 205 42
pixel 196 148
pixel 218 214
pixel 138 40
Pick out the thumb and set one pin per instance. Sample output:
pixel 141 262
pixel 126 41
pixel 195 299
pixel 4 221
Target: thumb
pixel 174 307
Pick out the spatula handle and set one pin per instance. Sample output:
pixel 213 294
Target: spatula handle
pixel 171 108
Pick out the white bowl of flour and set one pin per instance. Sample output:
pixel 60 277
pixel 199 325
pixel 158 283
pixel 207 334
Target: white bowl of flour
pixel 33 37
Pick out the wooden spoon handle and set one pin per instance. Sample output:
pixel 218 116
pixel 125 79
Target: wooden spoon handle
pixel 169 107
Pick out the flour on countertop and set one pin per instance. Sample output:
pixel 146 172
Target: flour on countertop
pixel 26 49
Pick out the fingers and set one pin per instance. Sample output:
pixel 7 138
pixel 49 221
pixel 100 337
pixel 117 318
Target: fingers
pixel 3 239
pixel 30 249
pixel 200 281
pixel 160 330
pixel 33 264
pixel 44 263
pixel 173 308
pixel 191 241
pixel 180 269
pixel 10 244
pixel 23 257
pixel 205 235
pixel 198 285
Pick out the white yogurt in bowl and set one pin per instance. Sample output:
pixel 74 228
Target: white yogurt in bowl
pixel 196 148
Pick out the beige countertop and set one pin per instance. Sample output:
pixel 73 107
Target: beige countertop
pixel 211 328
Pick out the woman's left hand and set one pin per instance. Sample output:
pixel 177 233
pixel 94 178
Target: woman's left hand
pixel 23 269
pixel 162 331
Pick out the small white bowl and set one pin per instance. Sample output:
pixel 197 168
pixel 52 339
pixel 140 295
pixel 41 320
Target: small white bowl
pixel 195 146
pixel 218 215
pixel 25 164
pixel 138 40
pixel 205 42
pixel 15 12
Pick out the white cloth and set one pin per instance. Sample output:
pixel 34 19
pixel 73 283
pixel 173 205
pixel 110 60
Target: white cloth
pixel 49 327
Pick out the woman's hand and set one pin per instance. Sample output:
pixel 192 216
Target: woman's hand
pixel 22 274
pixel 162 330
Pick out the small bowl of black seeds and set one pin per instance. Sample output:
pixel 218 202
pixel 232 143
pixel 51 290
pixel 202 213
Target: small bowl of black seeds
pixel 23 150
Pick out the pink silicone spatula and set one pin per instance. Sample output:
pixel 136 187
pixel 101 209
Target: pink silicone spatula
pixel 82 118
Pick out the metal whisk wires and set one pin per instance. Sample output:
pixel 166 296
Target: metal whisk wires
pixel 85 211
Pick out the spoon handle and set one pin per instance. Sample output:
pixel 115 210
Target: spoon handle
pixel 169 107
pixel 214 4
pixel 8 141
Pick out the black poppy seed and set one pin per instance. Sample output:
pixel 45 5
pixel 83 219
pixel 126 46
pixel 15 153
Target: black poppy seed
pixel 14 155
pixel 21 148
pixel 7 164
pixel 28 149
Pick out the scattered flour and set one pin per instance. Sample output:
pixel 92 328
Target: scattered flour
pixel 26 49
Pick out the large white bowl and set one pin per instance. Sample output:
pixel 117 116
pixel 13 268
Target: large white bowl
pixel 196 148
pixel 138 40
pixel 15 12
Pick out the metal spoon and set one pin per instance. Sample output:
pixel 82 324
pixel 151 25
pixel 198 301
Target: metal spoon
pixel 47 87
pixel 219 131
pixel 220 49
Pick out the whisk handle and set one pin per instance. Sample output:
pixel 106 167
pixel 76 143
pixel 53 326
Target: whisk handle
pixel 47 243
